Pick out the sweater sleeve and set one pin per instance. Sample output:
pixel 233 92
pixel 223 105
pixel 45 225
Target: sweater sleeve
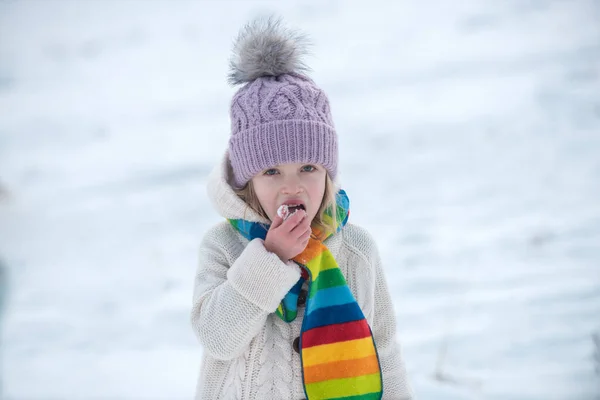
pixel 395 380
pixel 231 303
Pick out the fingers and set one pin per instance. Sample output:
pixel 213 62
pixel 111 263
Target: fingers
pixel 277 221
pixel 306 235
pixel 301 226
pixel 292 222
pixel 305 239
pixel 303 229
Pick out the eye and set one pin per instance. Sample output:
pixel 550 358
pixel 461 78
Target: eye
pixel 309 168
pixel 270 172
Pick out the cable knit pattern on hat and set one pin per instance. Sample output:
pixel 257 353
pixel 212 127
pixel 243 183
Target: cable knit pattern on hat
pixel 239 285
pixel 277 120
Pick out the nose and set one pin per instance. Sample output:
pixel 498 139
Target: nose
pixel 292 185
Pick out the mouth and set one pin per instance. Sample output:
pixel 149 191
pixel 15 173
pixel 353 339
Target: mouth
pixel 286 210
pixel 292 208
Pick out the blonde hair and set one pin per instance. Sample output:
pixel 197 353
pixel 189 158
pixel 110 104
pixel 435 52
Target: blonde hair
pixel 323 223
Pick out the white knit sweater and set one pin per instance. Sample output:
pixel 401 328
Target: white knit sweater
pixel 248 352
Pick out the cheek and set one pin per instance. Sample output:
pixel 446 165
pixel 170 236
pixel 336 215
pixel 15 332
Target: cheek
pixel 266 196
pixel 269 206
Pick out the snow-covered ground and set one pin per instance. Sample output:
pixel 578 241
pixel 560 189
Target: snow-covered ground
pixel 470 147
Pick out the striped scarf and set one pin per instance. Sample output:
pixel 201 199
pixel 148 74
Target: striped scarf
pixel 337 350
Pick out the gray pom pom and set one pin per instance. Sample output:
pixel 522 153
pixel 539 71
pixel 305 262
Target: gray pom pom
pixel 265 48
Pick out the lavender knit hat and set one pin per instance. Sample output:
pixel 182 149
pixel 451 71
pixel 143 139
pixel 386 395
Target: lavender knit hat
pixel 279 115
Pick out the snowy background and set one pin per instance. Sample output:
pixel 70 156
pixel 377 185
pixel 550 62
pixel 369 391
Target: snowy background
pixel 470 147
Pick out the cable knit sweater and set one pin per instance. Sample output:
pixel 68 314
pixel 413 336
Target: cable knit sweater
pixel 248 350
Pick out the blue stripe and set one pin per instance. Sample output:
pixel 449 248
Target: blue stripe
pixel 290 301
pixel 250 230
pixel 332 315
pixel 258 231
pixel 342 199
pixel 335 296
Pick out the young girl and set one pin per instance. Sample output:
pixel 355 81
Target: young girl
pixel 290 300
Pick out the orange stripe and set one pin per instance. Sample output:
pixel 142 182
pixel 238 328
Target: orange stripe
pixel 341 369
pixel 348 350
pixel 313 249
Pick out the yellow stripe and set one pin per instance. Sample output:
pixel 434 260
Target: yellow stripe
pixel 325 261
pixel 347 350
pixel 344 387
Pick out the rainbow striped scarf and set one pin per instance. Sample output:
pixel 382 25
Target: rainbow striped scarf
pixel 337 351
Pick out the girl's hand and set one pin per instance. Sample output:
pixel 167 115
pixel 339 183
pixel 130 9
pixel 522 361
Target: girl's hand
pixel 288 238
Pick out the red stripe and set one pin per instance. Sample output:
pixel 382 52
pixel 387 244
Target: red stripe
pixel 336 333
pixel 304 273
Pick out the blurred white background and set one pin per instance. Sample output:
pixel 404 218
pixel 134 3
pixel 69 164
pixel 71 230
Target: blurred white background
pixel 470 148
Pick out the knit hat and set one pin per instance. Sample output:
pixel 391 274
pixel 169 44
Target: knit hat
pixel 280 115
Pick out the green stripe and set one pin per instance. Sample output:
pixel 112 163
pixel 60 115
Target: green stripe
pixel 328 278
pixel 290 315
pixel 335 388
pixel 368 396
pixel 286 315
pixel 341 214
pixel 279 314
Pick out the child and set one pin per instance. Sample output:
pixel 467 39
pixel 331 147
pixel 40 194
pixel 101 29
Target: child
pixel 290 300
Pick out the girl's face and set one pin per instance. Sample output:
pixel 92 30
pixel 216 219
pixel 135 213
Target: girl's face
pixel 291 184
